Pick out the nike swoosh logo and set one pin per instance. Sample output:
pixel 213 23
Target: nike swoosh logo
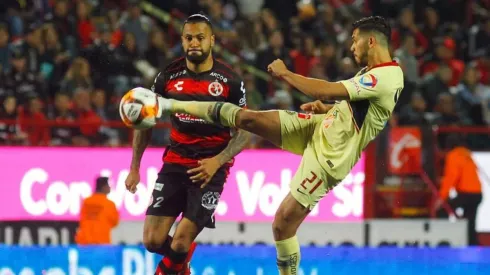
pixel 301 192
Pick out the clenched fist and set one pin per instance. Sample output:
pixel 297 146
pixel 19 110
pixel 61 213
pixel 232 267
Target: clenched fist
pixel 277 68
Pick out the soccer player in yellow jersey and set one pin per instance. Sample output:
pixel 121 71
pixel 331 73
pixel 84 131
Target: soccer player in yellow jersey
pixel 329 137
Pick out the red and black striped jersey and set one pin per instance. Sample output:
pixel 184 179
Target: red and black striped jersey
pixel 191 138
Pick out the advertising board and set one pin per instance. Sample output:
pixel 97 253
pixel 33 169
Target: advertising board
pixel 50 183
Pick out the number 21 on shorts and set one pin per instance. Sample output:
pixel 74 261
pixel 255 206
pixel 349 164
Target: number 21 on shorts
pixel 311 183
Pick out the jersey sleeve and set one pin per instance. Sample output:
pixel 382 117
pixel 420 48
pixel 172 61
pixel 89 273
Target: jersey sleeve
pixel 158 86
pixel 238 94
pixel 365 86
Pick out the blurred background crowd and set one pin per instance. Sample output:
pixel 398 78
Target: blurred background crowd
pixel 69 61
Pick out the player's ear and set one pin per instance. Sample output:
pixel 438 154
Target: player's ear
pixel 212 40
pixel 371 41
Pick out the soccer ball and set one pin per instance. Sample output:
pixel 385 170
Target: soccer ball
pixel 139 108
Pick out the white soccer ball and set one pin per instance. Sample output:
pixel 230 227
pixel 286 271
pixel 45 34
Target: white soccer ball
pixel 139 108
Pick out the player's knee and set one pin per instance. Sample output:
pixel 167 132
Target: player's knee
pixel 280 224
pixel 181 243
pixel 153 242
pixel 246 119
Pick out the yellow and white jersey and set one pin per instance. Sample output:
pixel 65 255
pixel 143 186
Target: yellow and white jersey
pixel 351 124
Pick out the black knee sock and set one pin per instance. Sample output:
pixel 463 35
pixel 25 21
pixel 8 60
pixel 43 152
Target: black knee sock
pixel 173 262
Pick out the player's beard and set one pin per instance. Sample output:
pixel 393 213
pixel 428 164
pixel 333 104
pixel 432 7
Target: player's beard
pixel 198 58
pixel 363 58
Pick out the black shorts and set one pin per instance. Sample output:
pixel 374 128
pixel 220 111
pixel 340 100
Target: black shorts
pixel 174 193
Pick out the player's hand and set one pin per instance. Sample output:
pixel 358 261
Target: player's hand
pixel 205 171
pixel 132 180
pixel 316 107
pixel 277 68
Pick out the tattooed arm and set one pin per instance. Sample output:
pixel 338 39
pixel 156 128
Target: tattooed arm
pixel 140 142
pixel 237 143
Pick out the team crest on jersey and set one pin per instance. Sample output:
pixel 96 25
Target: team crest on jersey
pixel 215 88
pixel 368 80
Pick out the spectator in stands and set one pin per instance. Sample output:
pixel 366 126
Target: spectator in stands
pixel 54 61
pixel 224 29
pixel 89 120
pixel 479 38
pixel 304 58
pixel 472 97
pixel 19 13
pixel 328 59
pixel 447 113
pixel 85 26
pixel 326 25
pixel 158 54
pixel 127 74
pixel 281 99
pixel 106 112
pixel 250 7
pixel 100 55
pixel 10 133
pixel 78 76
pixel 63 135
pixel 250 44
pixel 435 84
pixel 407 26
pixel 98 216
pixel 317 70
pixel 414 113
pixel 347 68
pixel 4 48
pixel 33 45
pixel 431 27
pixel 461 174
pixel 265 57
pixel 406 58
pixel 269 22
pixel 482 64
pixel 22 82
pixel 65 24
pixel 32 121
pixel 445 51
pixel 255 100
pixel 138 24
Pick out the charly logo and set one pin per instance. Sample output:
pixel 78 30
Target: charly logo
pixel 210 200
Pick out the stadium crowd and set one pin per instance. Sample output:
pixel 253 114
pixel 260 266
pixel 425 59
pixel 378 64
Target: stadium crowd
pixel 71 60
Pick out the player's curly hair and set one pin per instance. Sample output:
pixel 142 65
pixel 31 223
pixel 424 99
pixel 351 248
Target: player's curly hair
pixel 374 24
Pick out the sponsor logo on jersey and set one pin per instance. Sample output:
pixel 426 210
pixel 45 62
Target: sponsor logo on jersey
pixel 189 118
pixel 368 80
pixel 177 74
pixel 219 77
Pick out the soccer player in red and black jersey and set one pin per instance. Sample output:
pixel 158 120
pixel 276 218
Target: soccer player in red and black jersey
pixel 200 154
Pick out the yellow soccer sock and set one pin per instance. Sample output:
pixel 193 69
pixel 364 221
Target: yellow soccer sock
pixel 209 111
pixel 288 256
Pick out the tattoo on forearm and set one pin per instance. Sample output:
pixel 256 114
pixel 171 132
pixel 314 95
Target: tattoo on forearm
pixel 235 146
pixel 140 142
